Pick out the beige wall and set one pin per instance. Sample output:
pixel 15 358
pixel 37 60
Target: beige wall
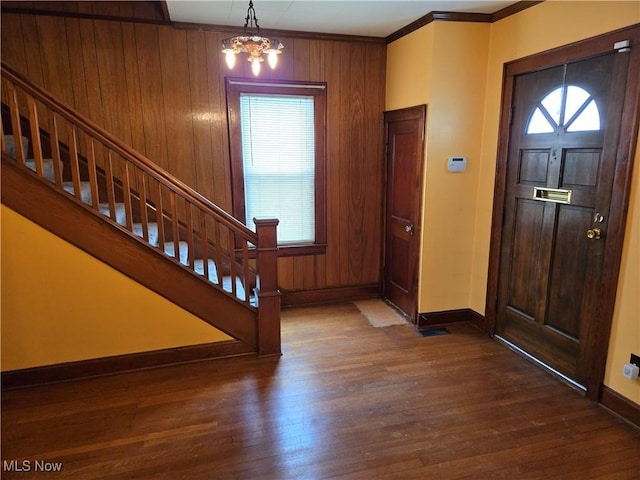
pixel 462 203
pixel 60 304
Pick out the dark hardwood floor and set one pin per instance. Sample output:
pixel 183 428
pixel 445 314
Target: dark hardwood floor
pixel 346 401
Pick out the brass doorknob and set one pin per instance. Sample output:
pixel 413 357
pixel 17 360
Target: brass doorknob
pixel 594 233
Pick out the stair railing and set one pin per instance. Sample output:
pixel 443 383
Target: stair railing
pixel 101 173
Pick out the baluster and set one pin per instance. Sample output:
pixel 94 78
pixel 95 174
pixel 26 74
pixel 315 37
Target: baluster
pixel 160 218
pixel 190 251
pixel 174 224
pixel 232 262
pixel 245 264
pixel 35 136
pixel 55 149
pixel 144 217
pixel 3 145
pixel 75 167
pixel 15 123
pixel 93 176
pixel 126 192
pixel 218 253
pixel 111 194
pixel 205 242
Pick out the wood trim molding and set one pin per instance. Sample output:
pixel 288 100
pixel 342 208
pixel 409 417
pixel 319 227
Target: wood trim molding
pixel 445 317
pixel 162 18
pixel 460 17
pixel 97 367
pixel 329 295
pixel 513 9
pixel 433 16
pixel 620 405
pixel 164 8
pixel 231 30
pixel 88 16
pixel 235 88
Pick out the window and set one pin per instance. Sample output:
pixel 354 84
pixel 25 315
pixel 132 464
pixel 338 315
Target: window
pixel 570 107
pixel 277 139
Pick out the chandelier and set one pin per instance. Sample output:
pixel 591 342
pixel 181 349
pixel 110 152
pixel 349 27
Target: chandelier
pixel 253 44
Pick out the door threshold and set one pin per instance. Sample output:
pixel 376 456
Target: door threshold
pixel 561 376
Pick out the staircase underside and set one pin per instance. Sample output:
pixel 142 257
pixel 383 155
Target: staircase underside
pixel 123 251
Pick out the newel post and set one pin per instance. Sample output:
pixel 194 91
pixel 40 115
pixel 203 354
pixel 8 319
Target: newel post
pixel 267 288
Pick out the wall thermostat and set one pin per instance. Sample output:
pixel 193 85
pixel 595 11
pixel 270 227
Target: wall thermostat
pixel 457 164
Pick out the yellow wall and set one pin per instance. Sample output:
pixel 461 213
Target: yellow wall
pixel 60 304
pixel 451 81
pixel 462 204
pixel 625 332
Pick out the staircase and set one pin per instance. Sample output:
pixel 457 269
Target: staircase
pixel 72 177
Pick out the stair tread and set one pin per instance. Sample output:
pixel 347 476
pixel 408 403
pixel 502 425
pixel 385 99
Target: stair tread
pixel 152 231
pixel 85 191
pixel 183 253
pixel 10 145
pixel 198 267
pixel 120 214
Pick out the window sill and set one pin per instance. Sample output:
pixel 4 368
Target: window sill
pixel 299 250
pixel 295 250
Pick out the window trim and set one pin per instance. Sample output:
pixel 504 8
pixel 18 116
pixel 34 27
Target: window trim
pixel 237 86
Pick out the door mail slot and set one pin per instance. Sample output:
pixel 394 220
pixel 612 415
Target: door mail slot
pixel 552 195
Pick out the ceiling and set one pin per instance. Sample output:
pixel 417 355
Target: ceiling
pixel 373 18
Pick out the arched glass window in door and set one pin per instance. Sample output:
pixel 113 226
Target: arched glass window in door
pixel 568 107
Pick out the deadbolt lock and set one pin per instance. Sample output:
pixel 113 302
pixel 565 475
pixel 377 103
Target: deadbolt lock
pixel 594 233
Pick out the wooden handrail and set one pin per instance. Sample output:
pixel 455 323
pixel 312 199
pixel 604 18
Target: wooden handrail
pixel 127 152
pixel 188 228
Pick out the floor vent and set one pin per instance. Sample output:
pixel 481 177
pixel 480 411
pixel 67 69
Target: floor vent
pixel 432 332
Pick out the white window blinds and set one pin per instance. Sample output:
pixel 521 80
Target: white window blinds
pixel 278 157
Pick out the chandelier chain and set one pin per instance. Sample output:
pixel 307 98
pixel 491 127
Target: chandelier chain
pixel 251 20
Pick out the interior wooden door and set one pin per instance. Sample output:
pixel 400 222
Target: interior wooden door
pixel 562 157
pixel 404 131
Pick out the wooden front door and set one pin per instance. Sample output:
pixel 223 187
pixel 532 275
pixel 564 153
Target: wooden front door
pixel 563 153
pixel 404 132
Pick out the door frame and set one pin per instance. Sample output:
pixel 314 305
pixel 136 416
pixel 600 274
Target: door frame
pixel 417 112
pixel 597 335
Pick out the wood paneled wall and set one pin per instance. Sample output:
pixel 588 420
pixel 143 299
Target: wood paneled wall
pixel 161 90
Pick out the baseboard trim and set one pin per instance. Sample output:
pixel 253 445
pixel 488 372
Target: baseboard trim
pixel 298 298
pixel 98 367
pixel 620 405
pixel 445 317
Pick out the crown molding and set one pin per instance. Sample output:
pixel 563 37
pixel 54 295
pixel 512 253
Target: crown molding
pixel 460 17
pixel 161 17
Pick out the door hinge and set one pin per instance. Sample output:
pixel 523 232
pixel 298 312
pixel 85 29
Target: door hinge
pixel 622 46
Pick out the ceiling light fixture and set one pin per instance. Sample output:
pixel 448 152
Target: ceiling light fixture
pixel 252 43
